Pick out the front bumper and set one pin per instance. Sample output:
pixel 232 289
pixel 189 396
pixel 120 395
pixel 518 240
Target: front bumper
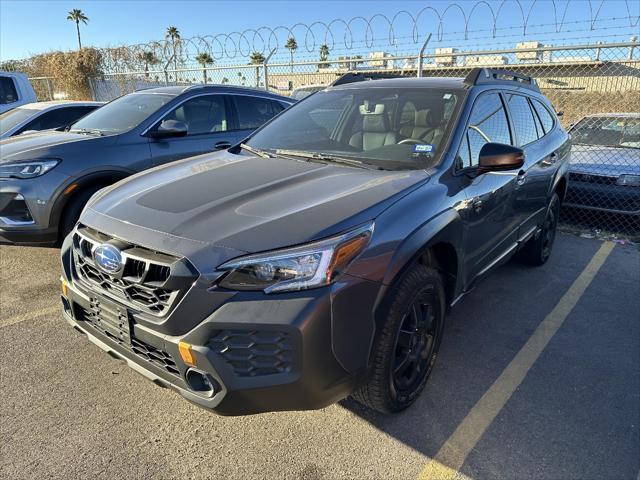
pixel 26 208
pixel 296 351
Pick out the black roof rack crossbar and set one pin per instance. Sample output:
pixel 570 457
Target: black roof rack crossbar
pixel 352 77
pixel 482 76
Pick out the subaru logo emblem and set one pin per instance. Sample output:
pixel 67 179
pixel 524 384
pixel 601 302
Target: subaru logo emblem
pixel 108 258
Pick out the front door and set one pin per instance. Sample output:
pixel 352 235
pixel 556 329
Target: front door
pixel 208 129
pixel 488 214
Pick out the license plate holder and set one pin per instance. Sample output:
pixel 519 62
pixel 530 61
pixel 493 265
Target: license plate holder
pixel 111 318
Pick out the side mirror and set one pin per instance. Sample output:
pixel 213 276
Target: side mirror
pixel 498 157
pixel 169 128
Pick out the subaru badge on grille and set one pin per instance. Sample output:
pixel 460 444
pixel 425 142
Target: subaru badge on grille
pixel 108 258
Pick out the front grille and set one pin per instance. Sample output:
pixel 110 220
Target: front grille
pixel 147 352
pixel 254 353
pixel 589 178
pixel 149 281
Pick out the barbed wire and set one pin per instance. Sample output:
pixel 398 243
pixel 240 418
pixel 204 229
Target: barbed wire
pixel 310 36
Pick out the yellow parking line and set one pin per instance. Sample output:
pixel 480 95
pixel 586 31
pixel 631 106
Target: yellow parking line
pixel 453 453
pixel 30 315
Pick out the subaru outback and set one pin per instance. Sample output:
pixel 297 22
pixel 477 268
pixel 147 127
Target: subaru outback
pixel 317 259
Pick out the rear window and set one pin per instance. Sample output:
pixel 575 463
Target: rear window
pixel 522 118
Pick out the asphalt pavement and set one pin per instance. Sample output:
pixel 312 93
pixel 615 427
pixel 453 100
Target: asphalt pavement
pixel 570 330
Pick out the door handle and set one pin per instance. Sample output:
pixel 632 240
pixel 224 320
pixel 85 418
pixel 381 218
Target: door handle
pixel 521 178
pixel 551 159
pixel 222 145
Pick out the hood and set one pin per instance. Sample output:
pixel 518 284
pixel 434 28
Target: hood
pixel 44 144
pixel 605 161
pixel 242 203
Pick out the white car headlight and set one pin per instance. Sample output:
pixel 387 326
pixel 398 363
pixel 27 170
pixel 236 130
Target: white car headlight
pixel 27 169
pixel 628 180
pixel 299 268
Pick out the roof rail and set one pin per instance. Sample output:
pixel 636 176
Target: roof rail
pixel 483 76
pixel 352 77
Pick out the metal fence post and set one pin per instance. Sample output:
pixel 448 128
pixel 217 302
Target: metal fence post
pixel 424 47
pixel 266 69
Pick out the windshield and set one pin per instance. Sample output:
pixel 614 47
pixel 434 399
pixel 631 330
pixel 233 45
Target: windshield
pixel 122 114
pixel 607 131
pixel 10 119
pixel 391 129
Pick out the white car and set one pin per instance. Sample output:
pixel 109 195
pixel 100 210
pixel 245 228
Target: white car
pixel 15 90
pixel 306 90
pixel 43 116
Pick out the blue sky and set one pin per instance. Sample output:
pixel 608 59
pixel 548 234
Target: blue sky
pixel 28 27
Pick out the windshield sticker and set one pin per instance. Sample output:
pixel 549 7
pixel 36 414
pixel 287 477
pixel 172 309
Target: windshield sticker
pixel 423 148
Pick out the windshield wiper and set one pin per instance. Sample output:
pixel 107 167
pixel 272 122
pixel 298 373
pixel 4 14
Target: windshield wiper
pixel 87 131
pixel 323 157
pixel 255 151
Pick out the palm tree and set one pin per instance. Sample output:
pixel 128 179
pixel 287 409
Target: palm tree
pixel 204 59
pixel 292 46
pixel 324 56
pixel 148 58
pixel 174 35
pixel 224 80
pixel 257 59
pixel 77 16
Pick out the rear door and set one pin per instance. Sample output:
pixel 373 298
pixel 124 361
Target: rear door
pixel 534 181
pixel 209 128
pixel 488 215
pixel 251 112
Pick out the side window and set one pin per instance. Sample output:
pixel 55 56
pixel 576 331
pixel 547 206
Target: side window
pixel 254 111
pixel 522 118
pixel 206 114
pixel 8 93
pixel 488 123
pixel 544 115
pixel 537 121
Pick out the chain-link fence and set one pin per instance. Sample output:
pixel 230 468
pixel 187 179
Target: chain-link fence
pixel 596 87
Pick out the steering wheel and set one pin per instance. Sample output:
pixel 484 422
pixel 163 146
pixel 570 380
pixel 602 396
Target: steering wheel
pixel 410 141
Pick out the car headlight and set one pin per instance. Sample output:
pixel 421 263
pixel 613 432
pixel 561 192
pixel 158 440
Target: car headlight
pixel 299 268
pixel 628 180
pixel 27 169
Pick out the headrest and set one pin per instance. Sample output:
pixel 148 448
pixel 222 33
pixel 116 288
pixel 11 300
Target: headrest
pixel 424 118
pixel 374 123
pixel 371 108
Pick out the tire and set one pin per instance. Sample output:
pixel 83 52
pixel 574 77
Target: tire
pixel 392 385
pixel 537 251
pixel 72 211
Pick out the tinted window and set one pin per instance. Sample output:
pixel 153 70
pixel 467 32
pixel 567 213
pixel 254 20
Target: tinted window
pixel 544 115
pixel 206 114
pixel 254 111
pixel 10 119
pixel 488 123
pixel 124 113
pixel 59 117
pixel 8 93
pixel 522 118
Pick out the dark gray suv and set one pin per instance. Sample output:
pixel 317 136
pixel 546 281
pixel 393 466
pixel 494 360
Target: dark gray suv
pixel 317 259
pixel 46 178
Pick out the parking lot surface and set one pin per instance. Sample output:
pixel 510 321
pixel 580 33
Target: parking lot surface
pixel 69 410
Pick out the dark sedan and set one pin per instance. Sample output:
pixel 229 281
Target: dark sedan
pixel 605 164
pixel 47 177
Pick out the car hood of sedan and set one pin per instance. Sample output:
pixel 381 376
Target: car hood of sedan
pixel 43 144
pixel 242 203
pixel 605 161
